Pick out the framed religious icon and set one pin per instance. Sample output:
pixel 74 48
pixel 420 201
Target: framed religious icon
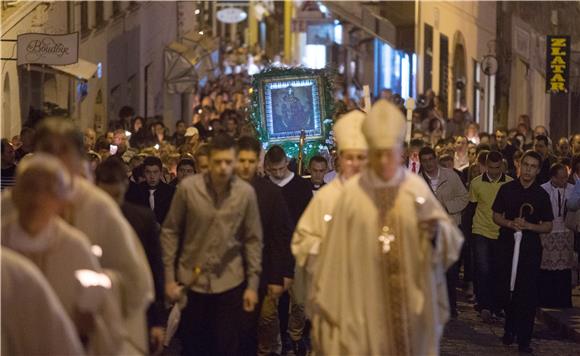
pixel 288 101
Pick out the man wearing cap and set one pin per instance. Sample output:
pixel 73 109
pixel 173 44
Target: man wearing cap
pixel 379 287
pixel 314 222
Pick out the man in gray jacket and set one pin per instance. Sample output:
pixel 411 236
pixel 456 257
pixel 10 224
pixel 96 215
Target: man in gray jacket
pixel 451 193
pixel 216 214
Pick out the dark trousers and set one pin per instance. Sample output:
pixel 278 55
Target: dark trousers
pixel 452 277
pixel 519 320
pixel 467 255
pixel 484 258
pixel 210 323
pixel 520 305
pixel 555 288
pixel 249 327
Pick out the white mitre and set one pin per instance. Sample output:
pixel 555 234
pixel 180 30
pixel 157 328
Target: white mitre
pixel 348 131
pixel 384 126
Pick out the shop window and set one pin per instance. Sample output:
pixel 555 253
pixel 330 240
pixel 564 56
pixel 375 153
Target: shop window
pixel 84 18
pixel 477 91
pixel 116 8
pixel 428 59
pixel 443 72
pixel 99 13
pixel 396 70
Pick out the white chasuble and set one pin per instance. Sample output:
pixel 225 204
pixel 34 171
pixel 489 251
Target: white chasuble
pixel 379 288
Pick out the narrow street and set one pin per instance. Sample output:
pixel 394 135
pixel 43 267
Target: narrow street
pixel 469 335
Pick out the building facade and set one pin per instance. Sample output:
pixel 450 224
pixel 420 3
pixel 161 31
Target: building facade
pixel 124 41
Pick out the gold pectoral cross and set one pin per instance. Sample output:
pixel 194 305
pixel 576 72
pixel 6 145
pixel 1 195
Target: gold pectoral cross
pixel 385 239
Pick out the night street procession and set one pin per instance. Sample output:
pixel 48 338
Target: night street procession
pixel 290 178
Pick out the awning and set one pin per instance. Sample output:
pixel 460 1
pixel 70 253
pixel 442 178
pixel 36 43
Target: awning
pixel 391 21
pixel 83 70
pixel 193 60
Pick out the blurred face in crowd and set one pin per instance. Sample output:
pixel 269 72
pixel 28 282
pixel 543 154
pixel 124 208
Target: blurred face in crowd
pixel 152 175
pixel 529 169
pixel 414 153
pixel 207 101
pixel 90 138
pixel 472 153
pixel 500 138
pixel 523 129
pixel 471 130
pixel 317 172
pixel 575 144
pixel 494 169
pixel 560 180
pixel 564 146
pixel 278 170
pixel 484 140
pixel 461 144
pixel 385 162
pixel 180 128
pixel 16 142
pixel 221 165
pixel 429 163
pixel 27 138
pixel 231 126
pixel 541 147
pixel 137 125
pixel 540 130
pixel 202 164
pixel 247 165
pixel 119 138
pixel 458 116
pixel 184 170
pixel 7 154
pixel 159 130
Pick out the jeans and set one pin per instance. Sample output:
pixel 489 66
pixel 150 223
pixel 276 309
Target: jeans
pixel 484 263
pixel 269 328
pixel 297 319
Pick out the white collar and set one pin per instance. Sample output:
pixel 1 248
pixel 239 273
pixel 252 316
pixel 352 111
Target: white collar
pixel 437 176
pixel 378 182
pixel 282 182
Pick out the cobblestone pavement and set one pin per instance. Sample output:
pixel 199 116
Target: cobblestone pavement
pixel 469 335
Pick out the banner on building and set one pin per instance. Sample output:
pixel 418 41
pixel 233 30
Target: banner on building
pixel 44 48
pixel 557 64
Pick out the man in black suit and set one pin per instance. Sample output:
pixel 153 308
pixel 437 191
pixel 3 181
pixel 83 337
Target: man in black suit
pixel 259 337
pixel 153 193
pixel 297 194
pixel 111 177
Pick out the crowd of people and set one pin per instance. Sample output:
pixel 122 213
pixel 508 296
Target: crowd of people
pixel 114 232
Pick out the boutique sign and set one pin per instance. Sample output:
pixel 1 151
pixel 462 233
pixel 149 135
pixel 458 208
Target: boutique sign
pixel 43 48
pixel 557 64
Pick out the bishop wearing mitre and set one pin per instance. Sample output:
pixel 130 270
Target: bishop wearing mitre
pixel 379 287
pixel 314 222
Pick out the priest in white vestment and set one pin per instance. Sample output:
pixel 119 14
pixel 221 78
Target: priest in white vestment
pixel 314 222
pixel 95 213
pixel 60 252
pixel 33 319
pixel 379 287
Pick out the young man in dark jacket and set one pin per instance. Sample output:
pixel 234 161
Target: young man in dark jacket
pixel 261 329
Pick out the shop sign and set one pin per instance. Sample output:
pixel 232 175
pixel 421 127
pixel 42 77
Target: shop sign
pixel 43 48
pixel 231 15
pixel 557 64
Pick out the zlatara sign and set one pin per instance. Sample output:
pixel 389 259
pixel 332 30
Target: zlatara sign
pixel 42 48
